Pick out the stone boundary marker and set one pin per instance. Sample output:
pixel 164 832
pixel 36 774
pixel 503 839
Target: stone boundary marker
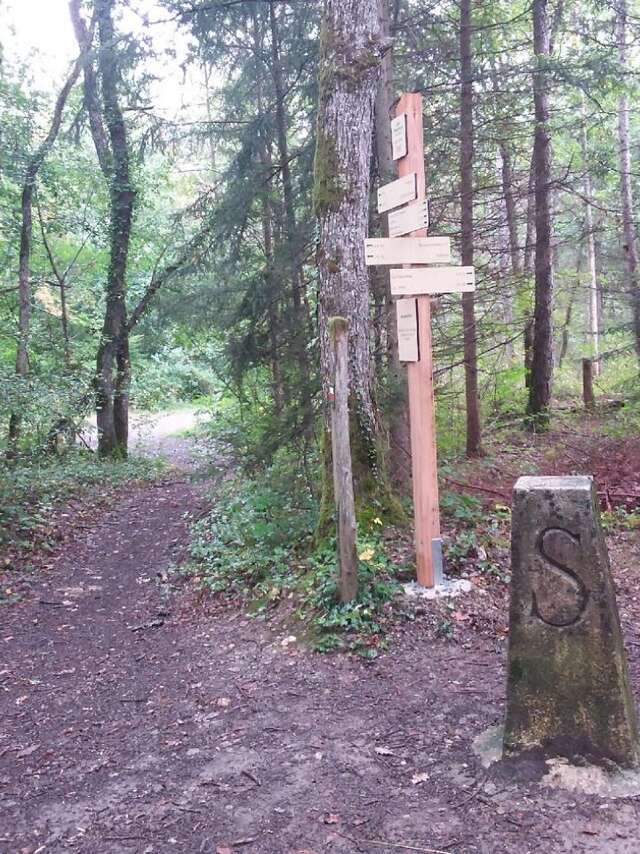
pixel 568 684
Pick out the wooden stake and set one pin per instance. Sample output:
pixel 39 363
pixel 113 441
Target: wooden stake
pixel 420 379
pixel 342 471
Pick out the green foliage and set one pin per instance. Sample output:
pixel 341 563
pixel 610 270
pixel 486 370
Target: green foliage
pixel 620 519
pixel 461 507
pixel 169 376
pixel 42 401
pixel 256 543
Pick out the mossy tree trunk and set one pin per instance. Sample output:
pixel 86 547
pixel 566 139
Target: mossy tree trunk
pixel 109 132
pixel 351 53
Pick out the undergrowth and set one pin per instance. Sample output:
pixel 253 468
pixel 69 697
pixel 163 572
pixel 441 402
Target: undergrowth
pixel 257 545
pixel 31 487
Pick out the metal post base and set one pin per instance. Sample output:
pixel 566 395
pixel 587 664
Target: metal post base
pixel 438 563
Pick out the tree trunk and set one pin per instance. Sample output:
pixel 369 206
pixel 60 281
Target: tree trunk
pixel 113 366
pixel 529 252
pixel 504 242
pixel 626 191
pixel 593 330
pixel 542 361
pixel 26 232
pixel 511 214
pixel 567 317
pixel 474 435
pixel 587 384
pixel 351 52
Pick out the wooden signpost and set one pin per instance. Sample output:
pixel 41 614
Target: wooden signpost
pixel 433 280
pixel 399 136
pixel 411 218
pixel 407 250
pixel 408 330
pixel 397 192
pixel 414 317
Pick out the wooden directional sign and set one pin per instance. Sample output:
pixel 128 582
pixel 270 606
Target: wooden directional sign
pixel 407 318
pixel 408 219
pixel 399 136
pixel 397 193
pixel 407 250
pixel 432 280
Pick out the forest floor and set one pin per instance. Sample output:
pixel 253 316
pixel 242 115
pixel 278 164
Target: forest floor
pixel 140 717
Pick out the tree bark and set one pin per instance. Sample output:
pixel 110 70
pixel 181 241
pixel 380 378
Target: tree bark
pixel 26 233
pixel 505 245
pixel 528 265
pixel 542 361
pixel 587 384
pixel 112 365
pixel 351 52
pixel 474 432
pixel 511 213
pixel 626 191
pixel 108 130
pixel 568 313
pixel 398 419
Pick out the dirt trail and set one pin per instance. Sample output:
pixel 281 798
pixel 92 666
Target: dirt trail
pixel 133 721
pixel 160 434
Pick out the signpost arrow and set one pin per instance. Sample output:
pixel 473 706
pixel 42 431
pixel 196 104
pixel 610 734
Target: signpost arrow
pixel 407 250
pixel 433 280
pixel 411 218
pixel 397 193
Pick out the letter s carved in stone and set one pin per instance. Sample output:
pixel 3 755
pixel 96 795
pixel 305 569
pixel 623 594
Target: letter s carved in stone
pixel 559 596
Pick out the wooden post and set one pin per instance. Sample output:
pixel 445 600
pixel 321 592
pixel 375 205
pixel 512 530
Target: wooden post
pixel 342 472
pixel 587 383
pixel 420 380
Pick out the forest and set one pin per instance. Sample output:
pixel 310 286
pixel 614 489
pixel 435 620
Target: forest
pixel 186 187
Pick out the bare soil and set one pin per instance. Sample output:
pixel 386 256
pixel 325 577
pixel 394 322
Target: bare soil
pixel 138 718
